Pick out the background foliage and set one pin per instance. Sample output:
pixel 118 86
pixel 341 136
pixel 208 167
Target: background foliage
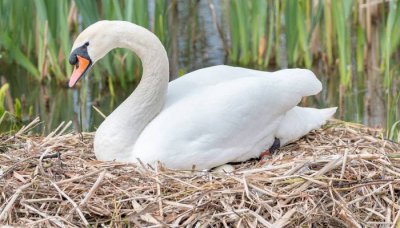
pixel 354 44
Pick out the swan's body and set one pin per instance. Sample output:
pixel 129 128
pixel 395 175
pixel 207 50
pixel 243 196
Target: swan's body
pixel 206 118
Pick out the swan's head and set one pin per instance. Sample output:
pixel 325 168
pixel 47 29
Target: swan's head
pixel 91 45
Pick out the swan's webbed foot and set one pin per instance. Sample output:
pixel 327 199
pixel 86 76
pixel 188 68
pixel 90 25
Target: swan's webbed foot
pixel 268 153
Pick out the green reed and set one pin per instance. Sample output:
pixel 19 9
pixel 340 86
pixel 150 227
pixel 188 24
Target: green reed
pixel 334 33
pixel 16 31
pixel 3 112
pixel 3 90
pixel 9 119
pixel 391 40
pixel 38 35
pixel 341 10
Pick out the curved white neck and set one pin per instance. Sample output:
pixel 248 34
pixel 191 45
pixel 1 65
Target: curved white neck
pixel 120 130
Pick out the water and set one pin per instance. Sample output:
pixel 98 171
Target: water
pixel 194 44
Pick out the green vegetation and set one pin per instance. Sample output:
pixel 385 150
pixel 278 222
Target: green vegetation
pixel 38 35
pixel 9 120
pixel 3 90
pixel 351 43
pixel 337 34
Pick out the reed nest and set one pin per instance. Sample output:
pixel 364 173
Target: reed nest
pixel 343 175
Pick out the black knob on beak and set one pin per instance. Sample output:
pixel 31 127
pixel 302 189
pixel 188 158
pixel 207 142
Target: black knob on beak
pixel 73 59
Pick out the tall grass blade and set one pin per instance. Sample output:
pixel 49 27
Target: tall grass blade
pixel 3 90
pixel 341 12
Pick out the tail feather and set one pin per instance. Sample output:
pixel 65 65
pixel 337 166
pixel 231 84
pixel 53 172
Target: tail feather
pixel 299 121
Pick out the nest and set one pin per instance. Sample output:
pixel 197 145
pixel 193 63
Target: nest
pixel 342 175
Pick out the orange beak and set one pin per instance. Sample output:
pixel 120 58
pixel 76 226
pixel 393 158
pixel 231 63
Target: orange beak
pixel 80 69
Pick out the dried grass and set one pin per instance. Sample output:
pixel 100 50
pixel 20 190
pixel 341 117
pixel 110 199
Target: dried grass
pixel 340 176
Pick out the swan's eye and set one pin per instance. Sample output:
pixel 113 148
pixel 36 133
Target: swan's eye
pixel 87 44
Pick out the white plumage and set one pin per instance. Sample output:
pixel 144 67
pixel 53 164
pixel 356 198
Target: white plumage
pixel 207 117
pixel 216 121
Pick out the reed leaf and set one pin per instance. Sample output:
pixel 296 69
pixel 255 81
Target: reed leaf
pixel 328 34
pixel 3 90
pixel 303 32
pixel 291 31
pixel 18 56
pixel 271 35
pixel 341 12
pixel 240 7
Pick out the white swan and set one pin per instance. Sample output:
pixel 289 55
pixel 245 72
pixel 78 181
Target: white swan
pixel 206 118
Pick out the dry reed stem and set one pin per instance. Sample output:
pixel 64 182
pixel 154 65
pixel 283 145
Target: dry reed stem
pixel 342 176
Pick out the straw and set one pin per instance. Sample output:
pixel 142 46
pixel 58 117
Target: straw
pixel 343 175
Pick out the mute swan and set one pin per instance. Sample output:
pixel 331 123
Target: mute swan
pixel 206 118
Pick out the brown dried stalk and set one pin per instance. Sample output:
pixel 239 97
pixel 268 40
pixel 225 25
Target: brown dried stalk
pixel 342 175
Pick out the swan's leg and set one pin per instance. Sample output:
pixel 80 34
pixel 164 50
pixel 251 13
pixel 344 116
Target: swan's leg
pixel 275 145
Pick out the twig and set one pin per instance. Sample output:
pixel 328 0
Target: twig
pixel 368 195
pixel 93 189
pixel 159 198
pixel 396 221
pixel 10 203
pixel 217 26
pixel 284 220
pixel 180 181
pixel 80 177
pixel 261 219
pixel 40 161
pixel 346 153
pixel 24 129
pixel 72 202
pixel 44 215
pixel 100 112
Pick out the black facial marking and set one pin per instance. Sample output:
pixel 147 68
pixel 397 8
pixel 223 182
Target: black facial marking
pixel 81 51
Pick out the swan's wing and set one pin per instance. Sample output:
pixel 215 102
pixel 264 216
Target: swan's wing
pixel 216 74
pixel 198 79
pixel 224 122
